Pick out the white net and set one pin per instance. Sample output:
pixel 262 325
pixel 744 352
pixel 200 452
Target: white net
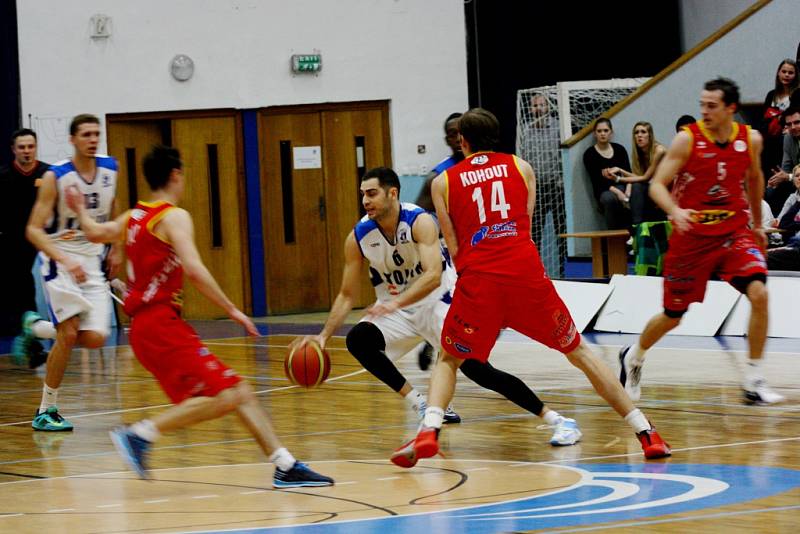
pixel 546 116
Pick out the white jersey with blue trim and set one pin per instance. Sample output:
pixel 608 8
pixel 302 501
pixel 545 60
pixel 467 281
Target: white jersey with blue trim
pixel 394 261
pixel 63 227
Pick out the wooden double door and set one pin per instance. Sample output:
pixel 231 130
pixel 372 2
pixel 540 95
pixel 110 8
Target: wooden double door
pixel 209 144
pixel 312 160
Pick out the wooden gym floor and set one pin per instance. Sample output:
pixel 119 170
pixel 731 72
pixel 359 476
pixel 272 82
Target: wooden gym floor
pixel 734 467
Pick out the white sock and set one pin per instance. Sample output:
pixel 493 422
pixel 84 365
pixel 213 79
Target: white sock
pixel 637 353
pixel 44 330
pixel 146 429
pixel 414 399
pixel 753 371
pixel 637 420
pixel 552 418
pixel 49 398
pixel 434 416
pixel 282 459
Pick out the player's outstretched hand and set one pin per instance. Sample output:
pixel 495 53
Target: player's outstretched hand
pixel 75 200
pixel 246 322
pixel 300 340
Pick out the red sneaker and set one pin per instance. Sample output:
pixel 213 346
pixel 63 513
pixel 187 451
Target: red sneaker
pixel 405 456
pixel 426 445
pixel 652 444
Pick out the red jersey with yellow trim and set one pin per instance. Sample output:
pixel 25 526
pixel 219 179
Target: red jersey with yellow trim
pixel 487 199
pixel 712 180
pixel 155 275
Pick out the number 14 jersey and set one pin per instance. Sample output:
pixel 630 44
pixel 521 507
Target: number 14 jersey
pixel 487 199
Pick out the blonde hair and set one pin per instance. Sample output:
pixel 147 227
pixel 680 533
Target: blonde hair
pixel 640 163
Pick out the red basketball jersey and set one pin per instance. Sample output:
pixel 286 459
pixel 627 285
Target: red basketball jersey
pixel 712 181
pixel 487 198
pixel 155 275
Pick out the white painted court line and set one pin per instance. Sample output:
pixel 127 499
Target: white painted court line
pixel 476 469
pixel 345 483
pixel 59 510
pixel 156 501
pixel 213 496
pixel 388 478
pixel 3 516
pixel 252 492
pixel 116 505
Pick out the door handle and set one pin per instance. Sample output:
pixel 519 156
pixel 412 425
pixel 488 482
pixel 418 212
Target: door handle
pixel 322 208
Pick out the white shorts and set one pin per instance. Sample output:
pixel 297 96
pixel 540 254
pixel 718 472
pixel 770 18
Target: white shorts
pixel 90 301
pixel 405 329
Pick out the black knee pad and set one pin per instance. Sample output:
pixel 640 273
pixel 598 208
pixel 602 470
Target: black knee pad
pixel 365 338
pixel 741 283
pixel 674 314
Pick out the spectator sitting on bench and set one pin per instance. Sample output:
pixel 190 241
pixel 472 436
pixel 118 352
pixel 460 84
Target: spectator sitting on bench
pixel 787 258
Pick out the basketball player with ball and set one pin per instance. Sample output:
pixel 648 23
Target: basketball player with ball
pixel 413 280
pixel 159 240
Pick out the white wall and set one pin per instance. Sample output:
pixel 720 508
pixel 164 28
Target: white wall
pixel 411 52
pixel 701 18
pixel 749 54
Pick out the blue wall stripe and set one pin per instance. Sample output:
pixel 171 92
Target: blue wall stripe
pixel 252 173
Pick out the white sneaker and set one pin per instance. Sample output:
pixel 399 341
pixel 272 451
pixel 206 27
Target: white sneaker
pixel 759 393
pixel 566 433
pixel 630 374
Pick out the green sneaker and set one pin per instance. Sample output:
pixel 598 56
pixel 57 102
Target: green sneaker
pixel 21 346
pixel 51 421
pixel 28 319
pixel 19 349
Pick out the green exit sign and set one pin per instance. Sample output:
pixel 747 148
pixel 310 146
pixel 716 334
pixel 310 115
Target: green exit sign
pixel 306 62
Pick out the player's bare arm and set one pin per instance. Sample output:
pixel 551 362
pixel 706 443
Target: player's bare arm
pixel 348 293
pixel 426 235
pixel 43 208
pixel 755 186
pixel 178 229
pixel 530 177
pixel 675 158
pixel 438 191
pixel 107 232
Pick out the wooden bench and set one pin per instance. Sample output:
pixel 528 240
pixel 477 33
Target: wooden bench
pixel 609 254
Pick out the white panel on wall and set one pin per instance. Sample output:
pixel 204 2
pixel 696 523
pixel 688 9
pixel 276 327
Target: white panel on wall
pixel 411 52
pixel 783 316
pixel 583 300
pixel 636 299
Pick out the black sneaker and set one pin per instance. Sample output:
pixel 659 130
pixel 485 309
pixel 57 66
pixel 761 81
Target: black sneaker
pixel 132 449
pixel 36 354
pixel 451 417
pixel 299 476
pixel 425 357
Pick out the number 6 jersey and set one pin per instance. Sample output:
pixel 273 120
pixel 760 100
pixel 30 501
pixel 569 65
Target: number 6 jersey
pixel 394 261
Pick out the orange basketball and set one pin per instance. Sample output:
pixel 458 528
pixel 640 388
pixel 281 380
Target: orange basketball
pixel 307 365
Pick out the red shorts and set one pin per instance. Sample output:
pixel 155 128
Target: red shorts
pixel 171 350
pixel 483 305
pixel 691 260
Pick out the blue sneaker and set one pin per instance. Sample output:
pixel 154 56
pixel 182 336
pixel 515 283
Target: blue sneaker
pixel 132 449
pixel 50 421
pixel 299 476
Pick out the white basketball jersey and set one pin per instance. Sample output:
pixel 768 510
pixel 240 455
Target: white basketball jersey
pixel 394 261
pixel 64 228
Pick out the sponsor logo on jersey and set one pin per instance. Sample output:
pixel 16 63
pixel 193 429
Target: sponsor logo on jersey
pixel 739 145
pixel 712 217
pixel 106 180
pixel 138 214
pixel 478 236
pixel 375 244
pixel 403 236
pixel 462 348
pixel 479 160
pixel 505 229
pixel 756 253
pixel 701 144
